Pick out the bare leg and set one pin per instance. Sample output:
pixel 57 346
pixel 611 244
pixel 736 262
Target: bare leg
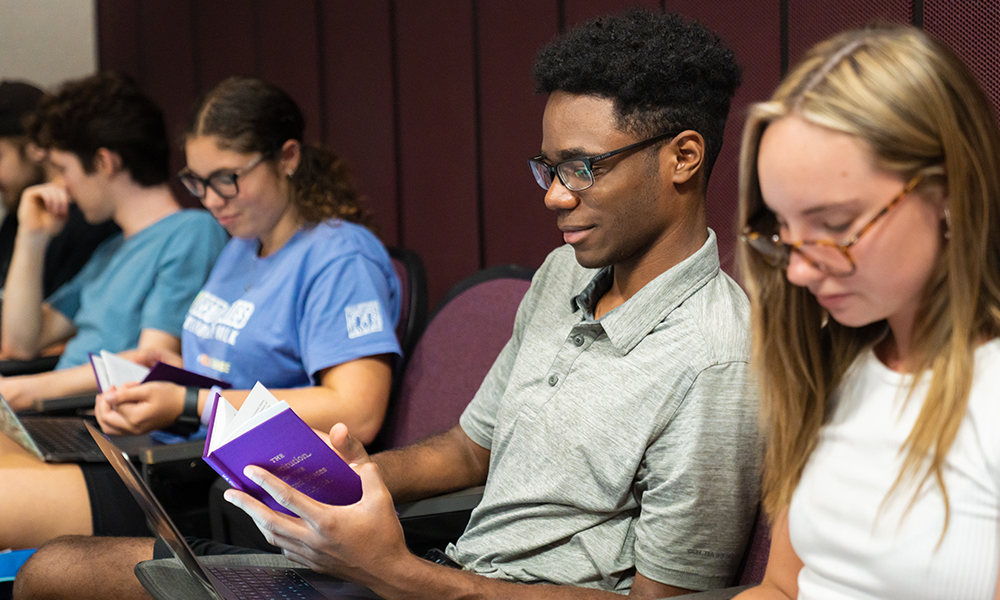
pixel 38 500
pixel 84 567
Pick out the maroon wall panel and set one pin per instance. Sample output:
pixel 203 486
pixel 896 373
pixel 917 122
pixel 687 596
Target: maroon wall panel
pixel 118 36
pixel 437 140
pixel 289 56
pixel 578 11
pixel 359 108
pixel 168 60
pixel 225 38
pixel 972 30
pixel 517 227
pixel 811 21
pixel 758 50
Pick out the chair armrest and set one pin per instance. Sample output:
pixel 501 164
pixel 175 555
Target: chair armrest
pixel 435 522
pixel 12 367
pixel 67 404
pixel 723 594
pixel 157 454
pixel 462 500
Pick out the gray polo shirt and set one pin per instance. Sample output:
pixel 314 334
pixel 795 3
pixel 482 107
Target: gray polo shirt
pixel 622 443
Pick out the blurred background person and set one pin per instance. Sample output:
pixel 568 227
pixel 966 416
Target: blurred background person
pixel 22 164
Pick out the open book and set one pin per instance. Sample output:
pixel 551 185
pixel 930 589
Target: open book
pixel 267 433
pixel 113 370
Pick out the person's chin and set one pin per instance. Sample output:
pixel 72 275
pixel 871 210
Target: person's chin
pixel 589 258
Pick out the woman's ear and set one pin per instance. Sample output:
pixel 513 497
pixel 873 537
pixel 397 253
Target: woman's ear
pixel 291 156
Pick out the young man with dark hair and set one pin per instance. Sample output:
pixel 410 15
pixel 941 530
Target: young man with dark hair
pixel 21 166
pixel 107 147
pixel 616 432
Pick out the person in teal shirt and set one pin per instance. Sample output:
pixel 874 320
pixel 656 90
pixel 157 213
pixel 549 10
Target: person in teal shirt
pixel 107 147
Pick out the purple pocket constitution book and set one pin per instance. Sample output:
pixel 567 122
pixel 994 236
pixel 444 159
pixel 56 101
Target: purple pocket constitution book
pixel 268 434
pixel 113 370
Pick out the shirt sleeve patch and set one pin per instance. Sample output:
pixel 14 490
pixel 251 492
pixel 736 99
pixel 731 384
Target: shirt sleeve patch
pixel 363 318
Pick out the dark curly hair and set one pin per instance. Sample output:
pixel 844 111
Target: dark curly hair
pixel 662 73
pixel 250 115
pixel 106 110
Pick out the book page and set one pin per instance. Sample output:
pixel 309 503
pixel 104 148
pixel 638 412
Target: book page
pixel 238 429
pixel 100 372
pixel 121 370
pixel 257 401
pixel 224 415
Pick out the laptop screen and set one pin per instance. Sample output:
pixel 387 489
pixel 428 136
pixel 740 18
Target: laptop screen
pixel 156 516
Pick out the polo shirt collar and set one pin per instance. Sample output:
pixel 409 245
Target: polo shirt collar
pixel 629 323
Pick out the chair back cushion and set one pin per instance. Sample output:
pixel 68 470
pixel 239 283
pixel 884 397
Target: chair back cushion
pixel 452 357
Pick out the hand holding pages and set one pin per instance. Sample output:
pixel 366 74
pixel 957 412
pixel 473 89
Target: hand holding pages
pixel 267 433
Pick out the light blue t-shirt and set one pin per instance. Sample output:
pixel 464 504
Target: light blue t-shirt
pixel 147 281
pixel 328 296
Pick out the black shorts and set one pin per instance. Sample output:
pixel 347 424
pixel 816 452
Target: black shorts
pixel 113 510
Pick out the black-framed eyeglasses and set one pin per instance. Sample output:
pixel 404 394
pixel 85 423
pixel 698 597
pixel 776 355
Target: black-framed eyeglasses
pixel 832 258
pixel 577 173
pixel 224 182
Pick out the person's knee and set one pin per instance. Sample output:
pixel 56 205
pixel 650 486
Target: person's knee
pixel 40 575
pixel 83 567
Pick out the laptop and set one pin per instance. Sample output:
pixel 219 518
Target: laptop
pixel 224 582
pixel 52 439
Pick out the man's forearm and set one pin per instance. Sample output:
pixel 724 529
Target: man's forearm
pixel 415 578
pixel 443 463
pixel 22 304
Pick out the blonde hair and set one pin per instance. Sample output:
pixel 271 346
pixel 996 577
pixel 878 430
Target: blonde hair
pixel 920 110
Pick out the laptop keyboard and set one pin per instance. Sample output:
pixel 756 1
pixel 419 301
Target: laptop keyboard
pixel 62 435
pixel 253 583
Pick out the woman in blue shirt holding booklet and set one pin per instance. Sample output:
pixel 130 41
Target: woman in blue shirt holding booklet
pixel 303 299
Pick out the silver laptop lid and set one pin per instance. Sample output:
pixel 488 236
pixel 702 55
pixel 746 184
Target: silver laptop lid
pixel 156 516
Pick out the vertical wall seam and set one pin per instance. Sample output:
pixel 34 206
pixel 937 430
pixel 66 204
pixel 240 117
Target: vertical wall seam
pixel 477 128
pixel 918 13
pixel 258 43
pixel 321 91
pixel 196 74
pixel 396 127
pixel 140 50
pixel 783 24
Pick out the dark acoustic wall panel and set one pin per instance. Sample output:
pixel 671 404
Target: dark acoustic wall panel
pixel 119 30
pixel 437 138
pixel 169 67
pixel 811 21
pixel 579 11
pixel 758 50
pixel 227 40
pixel 289 56
pixel 517 228
pixel 359 109
pixel 972 30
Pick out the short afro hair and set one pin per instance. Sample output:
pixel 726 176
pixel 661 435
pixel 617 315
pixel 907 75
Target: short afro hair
pixel 105 110
pixel 662 73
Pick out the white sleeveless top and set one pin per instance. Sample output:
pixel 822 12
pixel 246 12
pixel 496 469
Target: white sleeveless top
pixel 854 546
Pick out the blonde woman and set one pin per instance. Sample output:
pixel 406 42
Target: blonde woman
pixel 871 228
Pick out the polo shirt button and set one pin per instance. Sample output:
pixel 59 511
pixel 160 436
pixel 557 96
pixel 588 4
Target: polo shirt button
pixel 578 340
pixel 553 379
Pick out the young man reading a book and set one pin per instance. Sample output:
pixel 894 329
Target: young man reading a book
pixel 616 432
pixel 107 146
